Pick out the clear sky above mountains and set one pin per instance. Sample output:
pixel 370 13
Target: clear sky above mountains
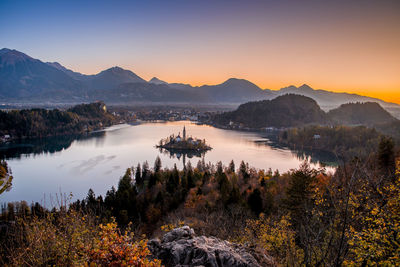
pixel 340 45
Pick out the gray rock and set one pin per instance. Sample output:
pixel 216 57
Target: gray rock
pixel 181 247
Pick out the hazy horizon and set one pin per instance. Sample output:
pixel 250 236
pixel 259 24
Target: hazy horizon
pixel 339 46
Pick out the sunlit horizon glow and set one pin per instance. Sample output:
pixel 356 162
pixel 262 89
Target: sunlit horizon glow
pixel 340 46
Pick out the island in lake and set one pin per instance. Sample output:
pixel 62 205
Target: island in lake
pixel 181 143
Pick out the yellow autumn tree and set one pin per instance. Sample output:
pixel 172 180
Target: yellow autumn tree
pixel 377 242
pixel 5 177
pixel 52 240
pixel 275 237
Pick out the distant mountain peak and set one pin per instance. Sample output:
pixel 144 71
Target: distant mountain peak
pixel 56 65
pixel 13 52
pixel 290 87
pixel 231 80
pixel 155 80
pixel 234 80
pixel 4 50
pixel 113 77
pixel 8 50
pixel 305 87
pixel 116 69
pixel 238 82
pixel 12 56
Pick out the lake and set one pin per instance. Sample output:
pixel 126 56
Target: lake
pixel 73 164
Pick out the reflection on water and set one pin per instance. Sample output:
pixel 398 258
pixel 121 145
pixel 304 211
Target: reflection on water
pixel 315 157
pixel 323 158
pixel 97 160
pixel 86 165
pixel 182 154
pixel 32 147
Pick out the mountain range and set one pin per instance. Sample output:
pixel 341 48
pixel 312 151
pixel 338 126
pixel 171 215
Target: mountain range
pixel 25 79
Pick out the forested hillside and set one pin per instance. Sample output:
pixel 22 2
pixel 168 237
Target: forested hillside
pixel 368 114
pixel 344 142
pixel 283 111
pixel 295 110
pixel 42 123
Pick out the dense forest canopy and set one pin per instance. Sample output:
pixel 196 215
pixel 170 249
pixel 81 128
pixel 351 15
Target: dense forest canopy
pixel 283 111
pixel 42 122
pixel 367 114
pixel 344 141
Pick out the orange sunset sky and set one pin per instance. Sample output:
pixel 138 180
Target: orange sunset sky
pixel 343 46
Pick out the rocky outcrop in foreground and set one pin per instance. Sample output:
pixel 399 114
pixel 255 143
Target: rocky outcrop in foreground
pixel 181 247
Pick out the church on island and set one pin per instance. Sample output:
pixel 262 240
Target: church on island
pixel 183 143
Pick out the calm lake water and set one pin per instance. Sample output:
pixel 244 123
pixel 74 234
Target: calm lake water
pixel 44 168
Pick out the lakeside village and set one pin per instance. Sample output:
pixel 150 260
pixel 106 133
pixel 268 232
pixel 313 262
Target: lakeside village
pixel 183 143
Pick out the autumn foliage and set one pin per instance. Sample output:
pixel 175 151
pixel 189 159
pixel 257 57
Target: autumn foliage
pixel 115 249
pixel 304 217
pixel 71 239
